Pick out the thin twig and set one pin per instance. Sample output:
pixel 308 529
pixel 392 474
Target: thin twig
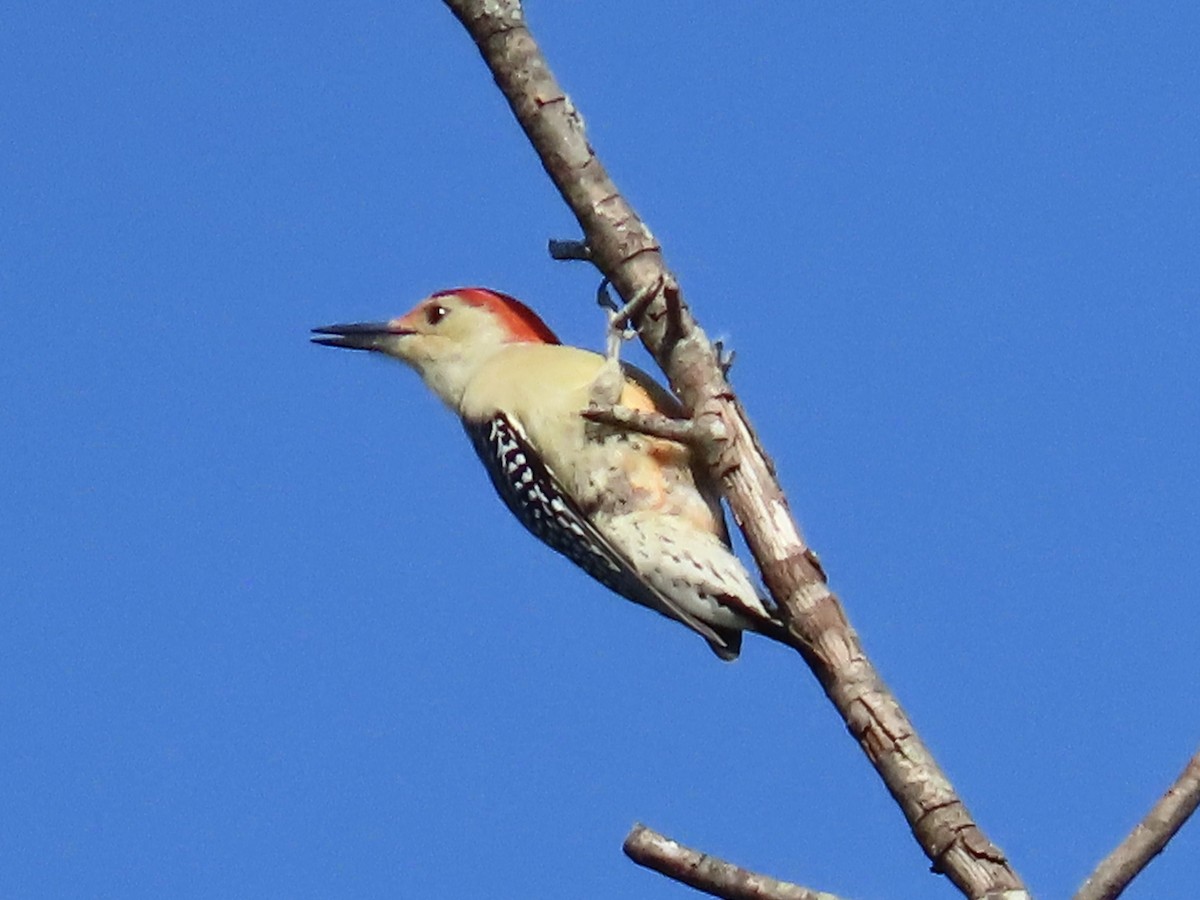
pixel 1147 839
pixel 569 250
pixel 707 873
pixel 623 248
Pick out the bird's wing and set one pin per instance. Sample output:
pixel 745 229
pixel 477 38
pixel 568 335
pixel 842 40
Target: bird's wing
pixel 533 494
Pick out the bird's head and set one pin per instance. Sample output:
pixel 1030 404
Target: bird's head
pixel 447 336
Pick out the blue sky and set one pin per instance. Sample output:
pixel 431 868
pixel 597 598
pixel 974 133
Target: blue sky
pixel 267 633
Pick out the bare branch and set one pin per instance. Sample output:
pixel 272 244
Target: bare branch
pixel 623 248
pixel 707 873
pixel 1148 839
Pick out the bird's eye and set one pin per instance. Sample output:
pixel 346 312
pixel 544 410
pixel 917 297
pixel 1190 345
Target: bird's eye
pixel 435 312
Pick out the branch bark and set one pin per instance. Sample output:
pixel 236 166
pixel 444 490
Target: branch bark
pixel 707 873
pixel 623 248
pixel 1147 839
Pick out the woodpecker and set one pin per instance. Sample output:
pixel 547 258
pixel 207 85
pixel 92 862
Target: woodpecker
pixel 635 512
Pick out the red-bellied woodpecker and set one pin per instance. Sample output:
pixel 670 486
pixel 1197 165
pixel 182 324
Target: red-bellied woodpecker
pixel 633 511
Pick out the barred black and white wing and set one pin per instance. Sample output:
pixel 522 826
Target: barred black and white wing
pixel 534 495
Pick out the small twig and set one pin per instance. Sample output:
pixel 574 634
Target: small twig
pixel 725 357
pixel 569 250
pixel 1147 839
pixel 682 431
pixel 707 873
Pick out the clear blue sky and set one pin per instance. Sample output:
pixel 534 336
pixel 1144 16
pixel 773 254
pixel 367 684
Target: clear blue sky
pixel 267 633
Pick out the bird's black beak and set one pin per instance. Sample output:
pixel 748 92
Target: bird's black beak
pixel 357 335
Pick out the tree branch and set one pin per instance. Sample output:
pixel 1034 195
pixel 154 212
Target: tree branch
pixel 707 873
pixel 623 248
pixel 1147 839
